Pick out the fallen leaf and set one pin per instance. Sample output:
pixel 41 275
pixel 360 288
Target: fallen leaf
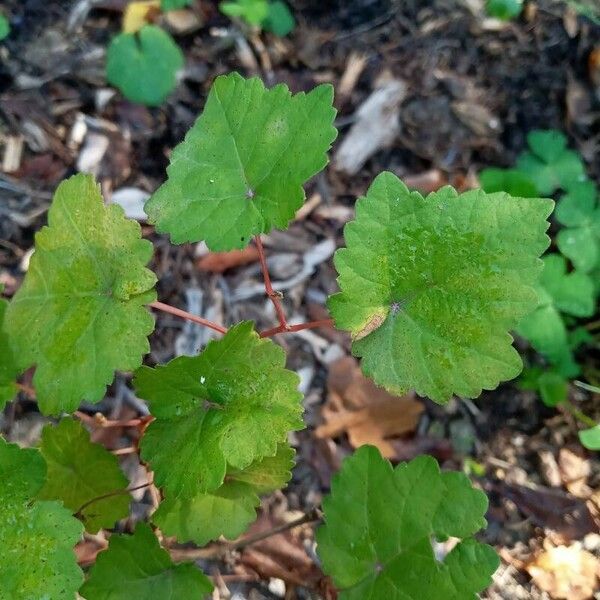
pixel 137 14
pixel 565 572
pixel 574 471
pixel 218 262
pixel 367 413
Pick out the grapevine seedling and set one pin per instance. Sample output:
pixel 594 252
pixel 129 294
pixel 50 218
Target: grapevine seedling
pixel 429 289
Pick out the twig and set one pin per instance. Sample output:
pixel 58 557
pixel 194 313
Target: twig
pixel 273 295
pixel 99 420
pixel 300 327
pixel 186 315
pixel 78 512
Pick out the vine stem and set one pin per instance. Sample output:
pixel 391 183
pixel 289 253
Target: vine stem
pixel 77 513
pixel 580 416
pixel 299 327
pixel 188 316
pixel 273 295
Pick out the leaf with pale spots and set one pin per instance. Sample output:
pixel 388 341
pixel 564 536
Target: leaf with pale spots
pixel 228 510
pixel 240 170
pixel 431 286
pixel 226 408
pixel 136 567
pixel 36 537
pixel 80 313
pixel 374 551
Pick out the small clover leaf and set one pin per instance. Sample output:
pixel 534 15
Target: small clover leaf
pixel 590 438
pixel 79 471
pixel 240 170
pixel 580 240
pixel 4 27
pixel 230 406
pixel 144 65
pixel 280 20
pixel 544 328
pixel 549 164
pixel 228 510
pixel 36 537
pixel 374 552
pixel 431 286
pixel 167 5
pixel 8 366
pixel 254 12
pixel 135 566
pixel 504 9
pixel 88 286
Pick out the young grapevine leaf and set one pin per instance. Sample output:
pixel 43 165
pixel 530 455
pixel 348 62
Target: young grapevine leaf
pixel 240 170
pixel 549 164
pixel 87 285
pixel 578 210
pixel 372 551
pixel 79 471
pixel 229 509
pixel 36 537
pixel 135 566
pixel 431 286
pixel 8 366
pixel 231 405
pixel 144 65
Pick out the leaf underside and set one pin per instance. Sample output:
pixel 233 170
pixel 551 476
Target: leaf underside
pixel 372 551
pixel 240 170
pixel 87 285
pixel 135 566
pixel 79 471
pixel 228 407
pixel 431 286
pixel 228 510
pixel 36 537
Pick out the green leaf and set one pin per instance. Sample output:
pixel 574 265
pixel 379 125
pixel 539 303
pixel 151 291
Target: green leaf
pixel 590 438
pixel 167 5
pixel 79 471
pixel 36 538
pixel 135 566
pixel 254 12
pixel 8 366
pixel 4 27
pixel 504 9
pixel 431 286
pixel 373 551
pixel 572 293
pixel 144 65
pixel 240 170
pixel 580 242
pixel 553 388
pixel 280 20
pixel 229 509
pixel 231 405
pixel 511 181
pixel 549 164
pixel 88 287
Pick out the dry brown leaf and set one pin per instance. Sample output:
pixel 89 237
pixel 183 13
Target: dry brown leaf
pixel 138 14
pixel 574 471
pixel 566 572
pixel 217 262
pixel 367 413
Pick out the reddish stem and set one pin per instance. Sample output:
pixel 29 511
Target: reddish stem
pixel 186 315
pixel 300 327
pixel 273 295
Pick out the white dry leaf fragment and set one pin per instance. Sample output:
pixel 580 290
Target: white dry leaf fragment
pixel 131 200
pixel 376 126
